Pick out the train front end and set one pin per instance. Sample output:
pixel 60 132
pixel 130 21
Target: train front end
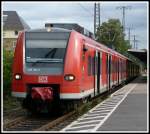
pixel 38 67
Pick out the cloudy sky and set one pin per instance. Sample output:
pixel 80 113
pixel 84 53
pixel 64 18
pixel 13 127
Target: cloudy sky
pixel 36 14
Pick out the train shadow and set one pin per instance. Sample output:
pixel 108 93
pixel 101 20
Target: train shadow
pixel 43 115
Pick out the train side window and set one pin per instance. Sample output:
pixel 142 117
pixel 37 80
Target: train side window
pixel 93 65
pixel 101 65
pixel 112 66
pixel 96 64
pixel 115 66
pixel 89 65
pixel 106 64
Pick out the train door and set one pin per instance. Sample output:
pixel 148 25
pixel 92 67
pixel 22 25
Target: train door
pixel 121 70
pixel 109 72
pixel 118 71
pixel 97 72
pixel 112 70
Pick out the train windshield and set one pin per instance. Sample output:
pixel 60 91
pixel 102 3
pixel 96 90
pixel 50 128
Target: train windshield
pixel 45 52
pixel 46 47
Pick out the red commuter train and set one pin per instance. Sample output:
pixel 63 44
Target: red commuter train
pixel 55 66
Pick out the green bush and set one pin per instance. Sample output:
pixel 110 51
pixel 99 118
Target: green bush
pixel 7 72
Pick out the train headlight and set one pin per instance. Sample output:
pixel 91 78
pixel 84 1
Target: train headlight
pixel 69 77
pixel 17 76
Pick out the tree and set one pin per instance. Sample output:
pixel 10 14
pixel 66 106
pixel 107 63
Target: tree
pixel 111 34
pixel 7 72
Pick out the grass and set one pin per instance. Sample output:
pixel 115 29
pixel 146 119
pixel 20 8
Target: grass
pixel 10 102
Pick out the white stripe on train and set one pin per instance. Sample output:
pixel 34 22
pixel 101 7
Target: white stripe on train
pixel 67 95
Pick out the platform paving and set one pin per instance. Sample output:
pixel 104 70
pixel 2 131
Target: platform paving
pixel 125 110
pixel 131 114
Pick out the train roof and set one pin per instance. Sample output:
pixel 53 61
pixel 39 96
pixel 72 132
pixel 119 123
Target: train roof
pixel 72 26
pixel 104 47
pixel 58 29
pixel 51 30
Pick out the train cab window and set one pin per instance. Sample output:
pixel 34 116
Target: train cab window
pixel 45 52
pixel 50 49
pixel 46 46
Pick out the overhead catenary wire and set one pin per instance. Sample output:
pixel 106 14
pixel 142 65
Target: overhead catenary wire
pixel 85 9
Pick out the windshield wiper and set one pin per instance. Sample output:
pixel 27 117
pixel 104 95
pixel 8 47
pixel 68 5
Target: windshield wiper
pixel 42 60
pixel 52 52
pixel 45 61
pixel 51 60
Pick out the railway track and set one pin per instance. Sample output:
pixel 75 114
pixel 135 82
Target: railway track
pixel 30 123
pixel 34 123
pixel 12 114
pixel 52 124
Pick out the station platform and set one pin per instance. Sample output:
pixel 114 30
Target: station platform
pixel 125 110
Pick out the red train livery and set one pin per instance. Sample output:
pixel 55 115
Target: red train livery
pixel 57 66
